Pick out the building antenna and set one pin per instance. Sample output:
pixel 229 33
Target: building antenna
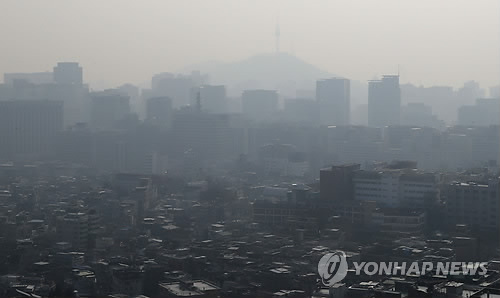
pixel 398 69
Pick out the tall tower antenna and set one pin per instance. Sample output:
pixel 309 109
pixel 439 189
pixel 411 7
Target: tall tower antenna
pixel 277 36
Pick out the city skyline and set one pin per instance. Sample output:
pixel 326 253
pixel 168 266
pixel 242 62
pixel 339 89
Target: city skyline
pixel 250 148
pixel 374 38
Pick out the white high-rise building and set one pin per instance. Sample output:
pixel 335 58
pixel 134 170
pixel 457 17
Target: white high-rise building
pixel 396 188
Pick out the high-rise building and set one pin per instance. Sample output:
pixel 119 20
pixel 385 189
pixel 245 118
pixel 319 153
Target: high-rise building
pixel 396 188
pixel 206 135
pixel 108 107
pixel 260 105
pixel 469 92
pixel 301 110
pixel 68 73
pixel 69 87
pixel 483 113
pixel 334 97
pixel 419 114
pixel 473 204
pixel 177 87
pixel 441 99
pixel 75 145
pixel 28 127
pixel 136 105
pixel 74 228
pixel 213 99
pixel 384 101
pixel 159 111
pixel 336 183
pixel 42 86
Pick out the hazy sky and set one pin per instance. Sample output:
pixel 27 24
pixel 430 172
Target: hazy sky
pixel 433 41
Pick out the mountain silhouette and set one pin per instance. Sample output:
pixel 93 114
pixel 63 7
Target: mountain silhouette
pixel 278 71
pixel 281 71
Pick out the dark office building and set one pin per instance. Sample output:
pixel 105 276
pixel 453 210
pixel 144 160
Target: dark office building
pixel 336 183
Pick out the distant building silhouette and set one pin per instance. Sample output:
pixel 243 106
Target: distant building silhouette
pixel 108 107
pixel 483 113
pixel 469 92
pixel 159 111
pixel 177 87
pixel 68 73
pixel 260 105
pixel 34 78
pixel 28 127
pixel 442 100
pixel 419 114
pixel 495 91
pixel 301 110
pixel 64 84
pixel 205 135
pixel 334 97
pixel 283 160
pixel 213 99
pixel 384 101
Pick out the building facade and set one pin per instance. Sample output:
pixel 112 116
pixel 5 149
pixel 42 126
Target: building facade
pixel 28 127
pixel 260 105
pixel 473 204
pixel 384 102
pixel 334 98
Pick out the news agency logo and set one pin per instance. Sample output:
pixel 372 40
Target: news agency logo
pixel 332 268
